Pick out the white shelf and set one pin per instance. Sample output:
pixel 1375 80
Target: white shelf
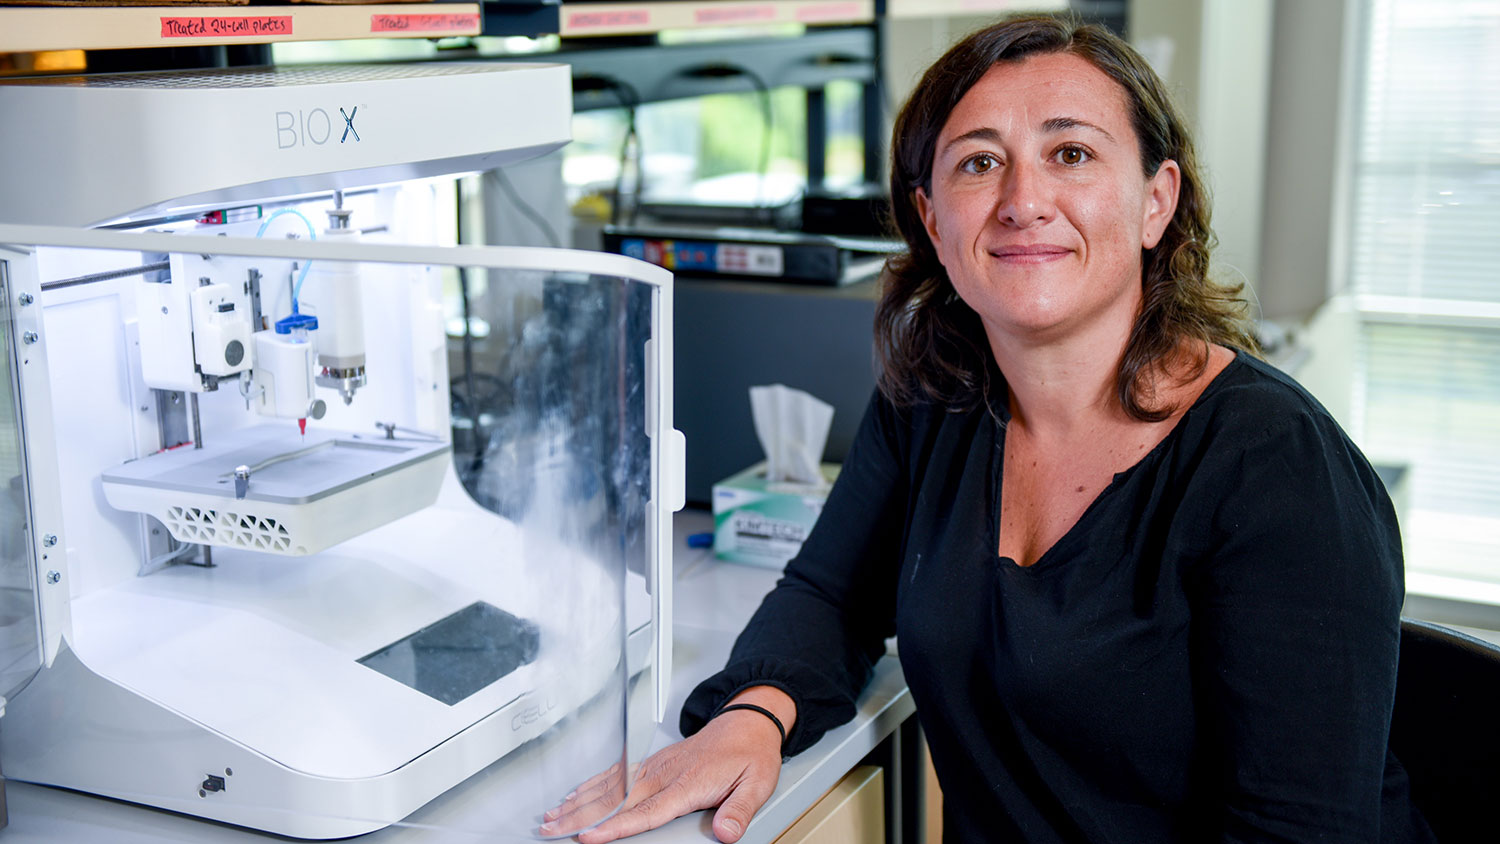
pixel 583 19
pixel 25 29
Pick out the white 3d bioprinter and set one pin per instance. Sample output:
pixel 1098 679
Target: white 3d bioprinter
pixel 256 578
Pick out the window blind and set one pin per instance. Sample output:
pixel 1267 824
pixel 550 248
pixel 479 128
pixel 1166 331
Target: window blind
pixel 1424 266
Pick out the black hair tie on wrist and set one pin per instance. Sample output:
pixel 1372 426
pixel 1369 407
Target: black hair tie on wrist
pixel 730 707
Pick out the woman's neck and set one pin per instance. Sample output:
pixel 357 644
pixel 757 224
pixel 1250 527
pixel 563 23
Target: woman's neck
pixel 1064 388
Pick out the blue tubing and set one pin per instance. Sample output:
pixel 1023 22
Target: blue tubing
pixel 312 233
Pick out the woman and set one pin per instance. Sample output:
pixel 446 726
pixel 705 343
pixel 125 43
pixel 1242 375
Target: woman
pixel 1145 589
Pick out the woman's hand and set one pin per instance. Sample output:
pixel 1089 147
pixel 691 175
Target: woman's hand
pixel 732 763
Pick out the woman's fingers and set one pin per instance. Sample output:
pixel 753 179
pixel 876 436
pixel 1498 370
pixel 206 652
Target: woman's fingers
pixel 740 806
pixel 581 815
pixel 585 809
pixel 604 793
pixel 740 786
pixel 603 785
pixel 594 781
pixel 730 764
pixel 650 813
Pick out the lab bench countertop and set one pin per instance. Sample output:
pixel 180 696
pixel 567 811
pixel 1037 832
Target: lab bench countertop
pixel 711 603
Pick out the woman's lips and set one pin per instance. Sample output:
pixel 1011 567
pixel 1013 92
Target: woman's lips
pixel 1039 253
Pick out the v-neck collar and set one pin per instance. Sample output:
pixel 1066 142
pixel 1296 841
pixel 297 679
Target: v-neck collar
pixel 997 473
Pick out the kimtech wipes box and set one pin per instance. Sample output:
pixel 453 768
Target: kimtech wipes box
pixel 763 522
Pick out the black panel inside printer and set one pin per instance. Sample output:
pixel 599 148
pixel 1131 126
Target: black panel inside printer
pixel 460 654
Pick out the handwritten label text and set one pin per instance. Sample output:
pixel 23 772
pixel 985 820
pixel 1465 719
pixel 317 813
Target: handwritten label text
pixel 424 23
pixel 218 27
pixel 579 21
pixel 734 14
pixel 833 12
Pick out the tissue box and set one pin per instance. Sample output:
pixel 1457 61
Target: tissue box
pixel 763 523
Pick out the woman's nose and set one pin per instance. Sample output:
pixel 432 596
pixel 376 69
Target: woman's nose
pixel 1023 200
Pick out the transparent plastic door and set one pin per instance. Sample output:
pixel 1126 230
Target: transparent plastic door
pixel 20 648
pixel 333 567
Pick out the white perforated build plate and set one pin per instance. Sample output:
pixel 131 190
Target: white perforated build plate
pixel 303 494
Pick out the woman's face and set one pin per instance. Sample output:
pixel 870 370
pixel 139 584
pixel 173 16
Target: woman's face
pixel 1039 210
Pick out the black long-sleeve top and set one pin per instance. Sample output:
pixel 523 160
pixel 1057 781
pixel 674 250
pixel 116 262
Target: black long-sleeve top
pixel 1208 654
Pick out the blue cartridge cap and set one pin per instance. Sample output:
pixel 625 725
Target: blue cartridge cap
pixel 295 321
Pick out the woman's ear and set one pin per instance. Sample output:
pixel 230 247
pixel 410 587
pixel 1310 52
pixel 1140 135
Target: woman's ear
pixel 929 217
pixel 1161 203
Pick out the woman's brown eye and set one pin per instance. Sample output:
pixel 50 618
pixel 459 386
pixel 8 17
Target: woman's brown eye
pixel 982 163
pixel 1072 156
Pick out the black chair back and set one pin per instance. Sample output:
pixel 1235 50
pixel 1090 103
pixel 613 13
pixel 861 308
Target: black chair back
pixel 1445 729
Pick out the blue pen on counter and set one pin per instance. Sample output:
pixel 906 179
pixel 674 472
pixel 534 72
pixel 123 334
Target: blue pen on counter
pixel 700 540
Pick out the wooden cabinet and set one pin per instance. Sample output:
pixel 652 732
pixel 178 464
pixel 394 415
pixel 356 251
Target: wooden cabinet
pixel 852 811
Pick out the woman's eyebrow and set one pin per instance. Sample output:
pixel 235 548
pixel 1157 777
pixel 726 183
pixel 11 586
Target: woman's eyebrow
pixel 1058 124
pixel 984 134
pixel 1053 124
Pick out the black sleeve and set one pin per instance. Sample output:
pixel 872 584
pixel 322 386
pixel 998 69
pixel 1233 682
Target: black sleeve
pixel 817 635
pixel 1295 629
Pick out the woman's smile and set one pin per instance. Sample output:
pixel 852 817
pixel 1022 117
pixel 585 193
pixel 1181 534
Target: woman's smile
pixel 1040 253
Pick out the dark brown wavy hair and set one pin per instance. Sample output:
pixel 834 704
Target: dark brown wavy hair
pixel 930 345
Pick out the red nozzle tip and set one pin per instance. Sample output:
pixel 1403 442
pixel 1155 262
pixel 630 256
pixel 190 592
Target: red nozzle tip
pixel 302 425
